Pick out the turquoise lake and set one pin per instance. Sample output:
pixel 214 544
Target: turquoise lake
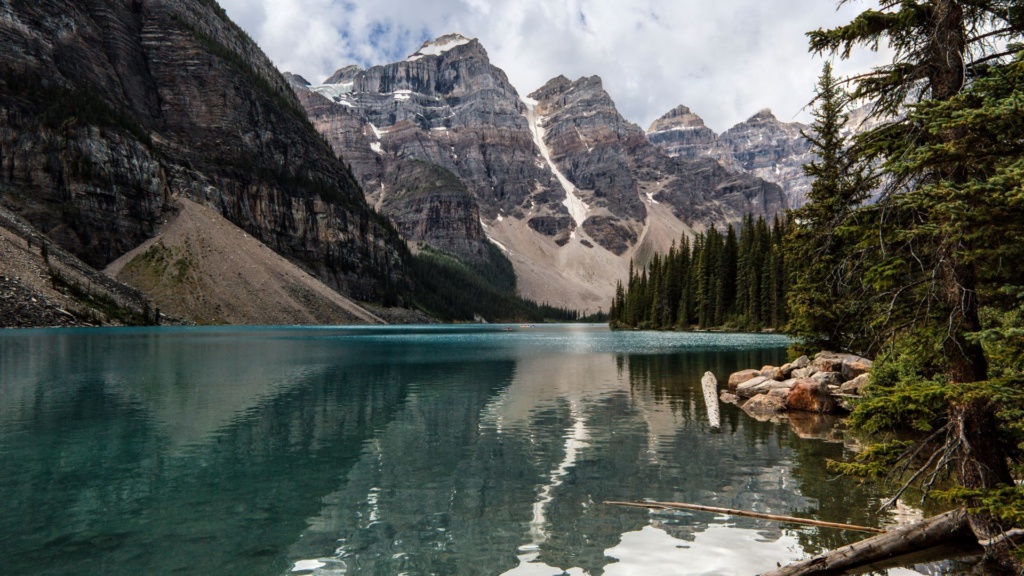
pixel 444 450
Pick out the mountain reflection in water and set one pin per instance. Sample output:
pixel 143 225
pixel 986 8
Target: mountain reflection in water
pixel 415 450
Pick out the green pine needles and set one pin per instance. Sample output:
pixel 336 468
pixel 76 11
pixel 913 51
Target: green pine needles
pixel 928 278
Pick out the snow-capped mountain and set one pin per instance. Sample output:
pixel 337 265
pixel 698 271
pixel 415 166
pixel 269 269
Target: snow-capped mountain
pixel 563 184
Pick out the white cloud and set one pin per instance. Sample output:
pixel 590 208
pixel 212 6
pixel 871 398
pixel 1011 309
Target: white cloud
pixel 725 59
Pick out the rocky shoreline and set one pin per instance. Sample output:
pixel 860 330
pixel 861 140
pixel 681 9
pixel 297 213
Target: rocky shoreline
pixel 825 385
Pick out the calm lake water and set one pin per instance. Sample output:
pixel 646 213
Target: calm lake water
pixel 413 450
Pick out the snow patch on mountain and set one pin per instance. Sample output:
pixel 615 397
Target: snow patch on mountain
pixel 335 92
pixel 439 46
pixel 578 209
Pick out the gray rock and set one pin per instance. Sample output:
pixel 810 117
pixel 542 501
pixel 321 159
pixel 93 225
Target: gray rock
pixel 729 398
pixel 856 385
pixel 772 372
pixel 737 378
pixel 753 387
pixel 828 378
pixel 803 372
pixel 784 385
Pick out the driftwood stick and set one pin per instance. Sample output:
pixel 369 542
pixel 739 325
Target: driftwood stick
pixel 710 385
pixel 1013 537
pixel 947 528
pixel 679 505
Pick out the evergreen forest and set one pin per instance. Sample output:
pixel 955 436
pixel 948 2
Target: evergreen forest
pixel 732 280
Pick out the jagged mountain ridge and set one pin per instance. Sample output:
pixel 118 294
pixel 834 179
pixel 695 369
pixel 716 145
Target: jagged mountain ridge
pixel 762 145
pixel 569 189
pixel 110 109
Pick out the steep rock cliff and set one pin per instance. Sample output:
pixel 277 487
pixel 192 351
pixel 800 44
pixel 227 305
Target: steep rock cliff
pixel 615 166
pixel 432 205
pixel 110 108
pixel 773 150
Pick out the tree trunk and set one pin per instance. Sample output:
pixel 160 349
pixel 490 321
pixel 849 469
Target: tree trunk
pixel 948 528
pixel 980 463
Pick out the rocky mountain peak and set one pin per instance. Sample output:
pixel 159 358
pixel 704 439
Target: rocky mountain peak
pixel 344 75
pixel 763 115
pixel 556 85
pixel 682 133
pixel 586 92
pixel 296 80
pixel 678 118
pixel 444 44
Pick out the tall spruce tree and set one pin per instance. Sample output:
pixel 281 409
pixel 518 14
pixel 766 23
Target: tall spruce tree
pixel 821 303
pixel 923 247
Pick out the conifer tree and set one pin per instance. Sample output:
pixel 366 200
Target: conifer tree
pixel 922 245
pixel 820 300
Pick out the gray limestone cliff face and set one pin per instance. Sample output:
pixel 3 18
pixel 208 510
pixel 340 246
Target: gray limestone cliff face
pixel 592 143
pixel 430 204
pixel 682 133
pixel 446 105
pixel 612 162
pixel 107 109
pixel 761 146
pixel 450 107
pixel 773 150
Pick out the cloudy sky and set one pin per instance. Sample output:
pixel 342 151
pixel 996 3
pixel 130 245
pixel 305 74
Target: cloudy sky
pixel 725 59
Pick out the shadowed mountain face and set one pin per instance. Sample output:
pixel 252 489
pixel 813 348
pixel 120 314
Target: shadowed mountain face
pixel 568 188
pixel 108 109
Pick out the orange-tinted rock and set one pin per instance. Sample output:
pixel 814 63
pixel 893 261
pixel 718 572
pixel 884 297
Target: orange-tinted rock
pixel 810 396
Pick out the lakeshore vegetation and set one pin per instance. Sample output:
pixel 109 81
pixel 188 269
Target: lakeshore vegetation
pixel 909 252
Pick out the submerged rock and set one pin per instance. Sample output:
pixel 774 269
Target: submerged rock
pixel 730 398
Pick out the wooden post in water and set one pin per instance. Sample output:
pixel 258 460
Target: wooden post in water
pixel 710 385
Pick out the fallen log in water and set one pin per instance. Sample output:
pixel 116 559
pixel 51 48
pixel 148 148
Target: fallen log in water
pixel 790 519
pixel 947 528
pixel 710 385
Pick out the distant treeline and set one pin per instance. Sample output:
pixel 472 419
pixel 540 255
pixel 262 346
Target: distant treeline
pixel 731 280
